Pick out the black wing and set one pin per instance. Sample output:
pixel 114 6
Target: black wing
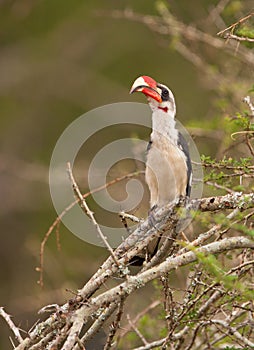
pixel 149 146
pixel 182 144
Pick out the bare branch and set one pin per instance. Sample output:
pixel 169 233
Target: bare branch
pixel 220 187
pixel 98 324
pixel 70 318
pixel 11 324
pixel 115 324
pixel 134 282
pixel 168 25
pixel 57 221
pixel 165 219
pixel 150 307
pixel 229 36
pixel 232 26
pixel 77 321
pixel 136 330
pixel 232 331
pixel 90 214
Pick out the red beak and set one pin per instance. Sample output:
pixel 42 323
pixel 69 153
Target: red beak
pixel 147 86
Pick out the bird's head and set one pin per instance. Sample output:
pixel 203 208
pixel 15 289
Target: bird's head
pixel 159 96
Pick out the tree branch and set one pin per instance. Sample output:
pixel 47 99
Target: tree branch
pixel 70 318
pixel 11 325
pixel 89 213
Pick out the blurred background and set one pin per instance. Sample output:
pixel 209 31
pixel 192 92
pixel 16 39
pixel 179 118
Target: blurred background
pixel 60 59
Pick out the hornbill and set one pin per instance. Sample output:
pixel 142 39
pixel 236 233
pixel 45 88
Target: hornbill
pixel 168 166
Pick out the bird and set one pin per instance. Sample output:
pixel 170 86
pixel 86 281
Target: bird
pixel 168 172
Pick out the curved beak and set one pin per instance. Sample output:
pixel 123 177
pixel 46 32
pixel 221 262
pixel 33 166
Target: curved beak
pixel 147 86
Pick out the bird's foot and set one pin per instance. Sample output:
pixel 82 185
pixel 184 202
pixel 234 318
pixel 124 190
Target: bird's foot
pixel 183 201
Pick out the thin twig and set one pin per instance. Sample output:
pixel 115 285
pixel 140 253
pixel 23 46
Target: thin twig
pixel 141 279
pixel 249 145
pixel 240 21
pixel 79 310
pixel 167 219
pixel 168 301
pixel 224 166
pixel 195 333
pixel 238 38
pixel 60 336
pixel 130 217
pixel 220 187
pixel 89 213
pixel 136 330
pixel 216 229
pixel 167 24
pixel 232 331
pixel 57 221
pixel 124 216
pixel 127 328
pixel 98 323
pixel 11 325
pixel 76 317
pixel 115 324
pixel 243 132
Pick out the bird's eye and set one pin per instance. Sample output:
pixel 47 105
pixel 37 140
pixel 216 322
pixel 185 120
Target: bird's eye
pixel 165 93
